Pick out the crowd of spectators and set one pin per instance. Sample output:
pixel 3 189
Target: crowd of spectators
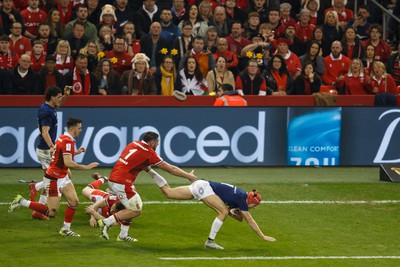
pixel 149 47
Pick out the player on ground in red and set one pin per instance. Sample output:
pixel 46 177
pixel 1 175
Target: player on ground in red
pixel 104 205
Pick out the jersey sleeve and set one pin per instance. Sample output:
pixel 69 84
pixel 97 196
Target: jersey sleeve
pixel 68 147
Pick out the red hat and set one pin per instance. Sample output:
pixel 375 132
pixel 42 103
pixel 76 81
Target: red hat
pixel 283 40
pixel 290 24
pixel 253 197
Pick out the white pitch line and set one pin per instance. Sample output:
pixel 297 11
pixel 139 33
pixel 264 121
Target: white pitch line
pixel 280 258
pixel 340 202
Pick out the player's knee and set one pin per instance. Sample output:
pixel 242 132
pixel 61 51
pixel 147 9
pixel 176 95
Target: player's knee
pixel 224 212
pixel 73 203
pixel 52 213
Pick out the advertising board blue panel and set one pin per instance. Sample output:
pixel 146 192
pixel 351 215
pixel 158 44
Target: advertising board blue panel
pixel 213 137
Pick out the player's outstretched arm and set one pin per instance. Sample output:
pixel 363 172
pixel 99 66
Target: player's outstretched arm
pixel 174 170
pixel 253 225
pixel 92 210
pixel 69 163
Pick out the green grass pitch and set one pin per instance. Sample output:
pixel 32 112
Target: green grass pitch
pixel 330 230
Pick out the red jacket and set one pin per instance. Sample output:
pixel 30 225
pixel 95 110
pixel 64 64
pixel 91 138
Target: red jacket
pixel 353 85
pixel 334 68
pixel 385 84
pixel 382 51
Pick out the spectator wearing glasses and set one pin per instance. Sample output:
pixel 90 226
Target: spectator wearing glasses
pixel 119 57
pixel 166 77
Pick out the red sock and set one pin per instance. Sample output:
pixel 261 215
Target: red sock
pixel 39 207
pixel 96 184
pixel 69 214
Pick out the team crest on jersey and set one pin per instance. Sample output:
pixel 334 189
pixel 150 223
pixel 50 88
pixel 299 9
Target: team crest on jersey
pixel 120 196
pixel 21 46
pixel 123 62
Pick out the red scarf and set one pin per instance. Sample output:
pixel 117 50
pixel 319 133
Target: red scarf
pixel 307 88
pixel 77 83
pixel 280 80
pixel 65 18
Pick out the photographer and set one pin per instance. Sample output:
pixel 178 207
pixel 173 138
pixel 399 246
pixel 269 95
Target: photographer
pixel 360 24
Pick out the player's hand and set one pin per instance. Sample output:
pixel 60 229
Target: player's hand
pixel 192 177
pixel 93 165
pixel 93 222
pixel 89 210
pixel 269 238
pixel 67 90
pixel 80 150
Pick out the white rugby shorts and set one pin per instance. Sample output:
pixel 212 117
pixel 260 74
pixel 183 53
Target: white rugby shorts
pixel 134 203
pixel 44 157
pixel 201 189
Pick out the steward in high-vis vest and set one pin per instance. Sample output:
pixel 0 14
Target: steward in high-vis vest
pixel 229 97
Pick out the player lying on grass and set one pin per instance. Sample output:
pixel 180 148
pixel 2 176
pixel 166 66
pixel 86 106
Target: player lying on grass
pixel 104 205
pixel 216 196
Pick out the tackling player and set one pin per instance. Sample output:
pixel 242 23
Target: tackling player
pixel 56 179
pixel 135 157
pixel 216 196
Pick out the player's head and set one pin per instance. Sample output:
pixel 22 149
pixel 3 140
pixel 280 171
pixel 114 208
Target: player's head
pixel 53 94
pixel 74 126
pixel 151 138
pixel 253 199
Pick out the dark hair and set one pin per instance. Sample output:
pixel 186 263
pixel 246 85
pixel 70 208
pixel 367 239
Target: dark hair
pixel 282 69
pixel 274 9
pixel 82 6
pixel 52 91
pixel 71 122
pixel 363 7
pixel 307 54
pixel 98 72
pixel 81 56
pixel 198 37
pixel 4 38
pixel 77 22
pixel 226 87
pixel 119 37
pixel 197 73
pixel 376 26
pixel 149 136
pixel 237 22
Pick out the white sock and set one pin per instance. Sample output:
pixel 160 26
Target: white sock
pixel 43 199
pixel 124 231
pixel 158 179
pixel 110 220
pixel 66 226
pixel 39 185
pixel 25 203
pixel 215 228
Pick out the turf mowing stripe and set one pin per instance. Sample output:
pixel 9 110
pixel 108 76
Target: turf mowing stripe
pixel 265 202
pixel 281 258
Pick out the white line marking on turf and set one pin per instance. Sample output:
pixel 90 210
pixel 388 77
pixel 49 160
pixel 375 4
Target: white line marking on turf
pixel 281 258
pixel 180 202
